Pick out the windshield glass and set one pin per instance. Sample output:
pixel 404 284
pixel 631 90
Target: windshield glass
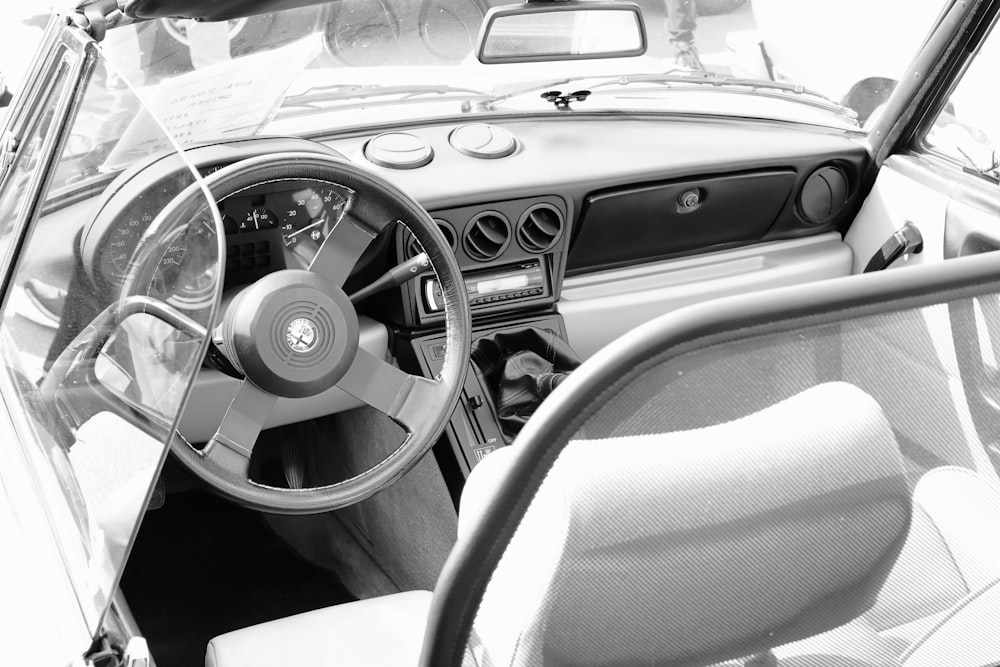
pixel 359 63
pixel 105 312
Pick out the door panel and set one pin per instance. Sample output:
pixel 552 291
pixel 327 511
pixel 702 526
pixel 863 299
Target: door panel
pixel 973 227
pixel 907 189
pixel 956 216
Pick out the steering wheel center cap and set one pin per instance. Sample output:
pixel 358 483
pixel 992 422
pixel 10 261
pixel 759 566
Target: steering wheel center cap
pixel 292 333
pixel 300 334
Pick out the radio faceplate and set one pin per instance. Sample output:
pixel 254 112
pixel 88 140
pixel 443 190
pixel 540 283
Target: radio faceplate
pixel 521 281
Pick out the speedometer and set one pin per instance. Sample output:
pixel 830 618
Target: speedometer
pixel 122 242
pixel 313 213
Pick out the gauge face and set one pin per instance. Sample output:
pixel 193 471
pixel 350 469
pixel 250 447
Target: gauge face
pixel 312 214
pixel 185 277
pixel 122 242
pixel 292 217
pixel 257 219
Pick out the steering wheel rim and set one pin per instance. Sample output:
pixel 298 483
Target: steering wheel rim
pixel 421 406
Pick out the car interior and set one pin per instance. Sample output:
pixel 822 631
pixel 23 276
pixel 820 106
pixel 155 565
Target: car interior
pixel 800 468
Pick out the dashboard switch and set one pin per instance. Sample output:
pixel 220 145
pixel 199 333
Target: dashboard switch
pixel 475 402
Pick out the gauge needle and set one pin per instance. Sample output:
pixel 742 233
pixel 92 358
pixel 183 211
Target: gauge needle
pixel 321 220
pixel 256 219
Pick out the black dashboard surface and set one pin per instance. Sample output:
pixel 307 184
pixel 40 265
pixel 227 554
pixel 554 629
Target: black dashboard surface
pixel 620 179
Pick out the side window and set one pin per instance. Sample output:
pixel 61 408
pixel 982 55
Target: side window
pixel 968 129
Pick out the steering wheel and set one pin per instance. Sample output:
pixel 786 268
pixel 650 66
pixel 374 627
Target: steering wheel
pixel 294 333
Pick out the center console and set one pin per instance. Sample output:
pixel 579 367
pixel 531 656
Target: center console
pixel 474 430
pixel 512 256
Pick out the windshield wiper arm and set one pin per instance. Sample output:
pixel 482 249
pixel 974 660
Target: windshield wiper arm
pixel 320 96
pixel 719 80
pixel 990 172
pixel 680 75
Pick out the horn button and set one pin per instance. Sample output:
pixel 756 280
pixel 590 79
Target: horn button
pixel 292 333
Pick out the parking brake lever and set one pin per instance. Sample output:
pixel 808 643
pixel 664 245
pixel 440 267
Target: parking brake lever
pixel 394 277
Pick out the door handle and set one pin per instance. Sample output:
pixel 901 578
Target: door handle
pixel 906 240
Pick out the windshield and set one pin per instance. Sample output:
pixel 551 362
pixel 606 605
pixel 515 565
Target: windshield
pixel 360 63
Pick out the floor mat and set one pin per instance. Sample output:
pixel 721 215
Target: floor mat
pixel 203 566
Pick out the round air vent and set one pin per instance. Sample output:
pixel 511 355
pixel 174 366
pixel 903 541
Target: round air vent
pixel 486 236
pixel 412 247
pixel 824 194
pixel 539 228
pixel 398 150
pixel 483 141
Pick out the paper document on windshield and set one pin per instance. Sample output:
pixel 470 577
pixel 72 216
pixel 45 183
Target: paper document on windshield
pixel 234 98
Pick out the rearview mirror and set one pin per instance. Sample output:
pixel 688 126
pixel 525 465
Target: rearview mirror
pixel 564 30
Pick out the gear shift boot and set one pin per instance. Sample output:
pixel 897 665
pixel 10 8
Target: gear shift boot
pixel 520 368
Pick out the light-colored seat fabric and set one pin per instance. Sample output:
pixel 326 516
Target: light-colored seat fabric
pixel 941 589
pixel 953 550
pixel 369 633
pixel 948 557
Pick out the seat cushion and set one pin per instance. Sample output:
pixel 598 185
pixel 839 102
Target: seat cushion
pixel 386 630
pixel 951 552
pixel 941 591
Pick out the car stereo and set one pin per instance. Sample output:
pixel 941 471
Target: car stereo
pixel 487 287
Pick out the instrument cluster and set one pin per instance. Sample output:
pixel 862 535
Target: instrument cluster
pixel 270 226
pixel 277 225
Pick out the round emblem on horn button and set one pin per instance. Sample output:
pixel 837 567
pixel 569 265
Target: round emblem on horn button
pixel 301 334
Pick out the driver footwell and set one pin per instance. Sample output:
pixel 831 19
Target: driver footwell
pixel 202 566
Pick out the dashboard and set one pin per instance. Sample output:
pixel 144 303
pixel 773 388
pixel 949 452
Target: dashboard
pixel 606 221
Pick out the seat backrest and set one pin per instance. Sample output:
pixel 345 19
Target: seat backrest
pixel 698 546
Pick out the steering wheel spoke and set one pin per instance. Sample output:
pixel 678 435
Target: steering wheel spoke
pixel 232 445
pixel 342 249
pixel 412 401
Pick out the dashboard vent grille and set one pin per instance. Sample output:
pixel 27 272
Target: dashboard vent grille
pixel 539 228
pixel 487 235
pixel 824 194
pixel 412 247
